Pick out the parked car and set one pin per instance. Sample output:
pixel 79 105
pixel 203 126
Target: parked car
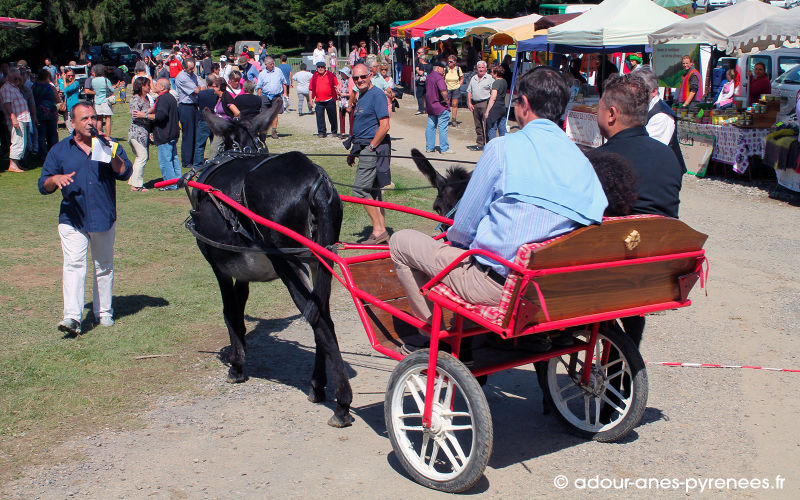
pixel 787 86
pixel 142 46
pixel 718 4
pixel 117 54
pixel 786 4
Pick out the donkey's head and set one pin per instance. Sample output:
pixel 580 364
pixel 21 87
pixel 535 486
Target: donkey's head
pixel 450 187
pixel 242 132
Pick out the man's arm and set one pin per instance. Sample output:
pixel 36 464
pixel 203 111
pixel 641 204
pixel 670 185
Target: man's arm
pixel 121 165
pixel 469 96
pixel 52 177
pixel 660 127
pixel 383 129
pixel 479 195
pixel 11 115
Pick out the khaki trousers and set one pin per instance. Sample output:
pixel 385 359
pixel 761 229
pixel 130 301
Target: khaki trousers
pixel 417 258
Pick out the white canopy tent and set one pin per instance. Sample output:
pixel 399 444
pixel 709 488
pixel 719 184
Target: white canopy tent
pixel 613 23
pixel 715 27
pixel 781 30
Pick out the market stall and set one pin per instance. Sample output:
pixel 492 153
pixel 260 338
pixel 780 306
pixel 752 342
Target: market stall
pixel 738 135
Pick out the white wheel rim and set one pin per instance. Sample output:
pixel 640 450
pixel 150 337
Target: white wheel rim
pixel 442 452
pixel 580 405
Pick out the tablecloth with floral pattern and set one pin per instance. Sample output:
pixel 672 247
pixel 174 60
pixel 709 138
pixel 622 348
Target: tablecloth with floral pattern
pixel 734 145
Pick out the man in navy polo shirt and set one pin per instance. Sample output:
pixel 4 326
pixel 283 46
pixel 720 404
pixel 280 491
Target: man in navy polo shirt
pixel 373 148
pixel 88 215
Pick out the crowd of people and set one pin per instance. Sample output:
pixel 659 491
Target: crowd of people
pixel 173 95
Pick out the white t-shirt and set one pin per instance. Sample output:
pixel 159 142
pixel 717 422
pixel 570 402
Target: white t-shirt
pixel 301 80
pixel 318 56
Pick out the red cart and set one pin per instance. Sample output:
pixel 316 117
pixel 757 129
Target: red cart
pixel 571 289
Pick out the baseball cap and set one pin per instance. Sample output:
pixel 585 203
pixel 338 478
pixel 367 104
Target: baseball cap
pixel 440 63
pixel 320 64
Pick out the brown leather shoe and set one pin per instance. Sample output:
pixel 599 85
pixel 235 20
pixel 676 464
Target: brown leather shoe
pixel 274 134
pixel 377 240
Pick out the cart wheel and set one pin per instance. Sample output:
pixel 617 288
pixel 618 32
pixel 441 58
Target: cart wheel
pixel 614 400
pixel 452 454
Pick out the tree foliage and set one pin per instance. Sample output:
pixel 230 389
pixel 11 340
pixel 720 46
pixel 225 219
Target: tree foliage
pixel 72 25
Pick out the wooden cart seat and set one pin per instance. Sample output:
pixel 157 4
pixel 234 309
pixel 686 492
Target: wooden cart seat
pixel 595 290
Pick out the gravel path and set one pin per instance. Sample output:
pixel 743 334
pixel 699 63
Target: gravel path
pixel 263 439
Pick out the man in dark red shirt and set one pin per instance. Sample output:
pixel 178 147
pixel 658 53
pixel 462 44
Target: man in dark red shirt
pixel 759 83
pixel 323 90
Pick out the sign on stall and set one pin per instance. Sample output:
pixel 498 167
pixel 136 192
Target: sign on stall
pixel 667 62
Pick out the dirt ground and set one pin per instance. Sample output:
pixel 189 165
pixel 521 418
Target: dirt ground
pixel 263 439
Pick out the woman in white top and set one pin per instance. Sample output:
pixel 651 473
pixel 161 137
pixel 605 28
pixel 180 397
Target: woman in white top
pixel 725 99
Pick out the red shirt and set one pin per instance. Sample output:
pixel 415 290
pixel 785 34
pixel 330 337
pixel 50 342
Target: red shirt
pixel 362 52
pixel 323 88
pixel 759 86
pixel 175 67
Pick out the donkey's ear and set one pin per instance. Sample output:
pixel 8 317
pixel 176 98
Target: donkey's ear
pixel 219 126
pixel 261 121
pixel 427 169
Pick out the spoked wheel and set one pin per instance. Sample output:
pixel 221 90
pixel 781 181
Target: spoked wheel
pixel 614 400
pixel 452 454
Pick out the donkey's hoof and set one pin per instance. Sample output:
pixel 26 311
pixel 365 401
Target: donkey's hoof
pixel 340 423
pixel 316 396
pixel 236 376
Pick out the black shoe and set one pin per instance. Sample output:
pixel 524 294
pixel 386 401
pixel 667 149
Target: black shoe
pixel 475 148
pixel 321 136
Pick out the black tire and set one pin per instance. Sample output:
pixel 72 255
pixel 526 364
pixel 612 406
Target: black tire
pixel 610 416
pixel 468 445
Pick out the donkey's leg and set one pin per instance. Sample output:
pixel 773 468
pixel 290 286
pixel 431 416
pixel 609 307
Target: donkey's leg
pixel 234 297
pixel 314 307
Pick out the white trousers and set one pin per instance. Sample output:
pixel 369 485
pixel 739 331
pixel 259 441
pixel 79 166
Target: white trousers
pixel 74 245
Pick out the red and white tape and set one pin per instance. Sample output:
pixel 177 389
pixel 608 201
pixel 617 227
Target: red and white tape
pixel 711 365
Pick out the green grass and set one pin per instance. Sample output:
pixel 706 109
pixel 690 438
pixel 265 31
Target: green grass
pixel 165 297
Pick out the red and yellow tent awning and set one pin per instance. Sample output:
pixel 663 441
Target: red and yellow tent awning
pixel 441 15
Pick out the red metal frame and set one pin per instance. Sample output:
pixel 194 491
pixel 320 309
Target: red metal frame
pixel 457 332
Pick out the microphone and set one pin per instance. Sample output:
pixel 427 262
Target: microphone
pixel 94 133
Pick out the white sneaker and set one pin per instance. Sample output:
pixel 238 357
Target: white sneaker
pixel 448 152
pixel 106 321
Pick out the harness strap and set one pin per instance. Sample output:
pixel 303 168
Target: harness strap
pixel 302 254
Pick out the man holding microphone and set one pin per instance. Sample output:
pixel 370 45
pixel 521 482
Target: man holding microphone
pixel 88 215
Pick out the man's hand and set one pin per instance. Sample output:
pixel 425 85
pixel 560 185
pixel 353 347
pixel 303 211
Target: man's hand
pixel 59 181
pixel 351 159
pixel 470 106
pixel 14 121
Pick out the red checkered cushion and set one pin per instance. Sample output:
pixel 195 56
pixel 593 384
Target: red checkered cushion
pixel 495 314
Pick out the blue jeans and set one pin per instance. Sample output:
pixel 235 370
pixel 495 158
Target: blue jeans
pixel 441 122
pixel 497 128
pixel 203 133
pixel 168 161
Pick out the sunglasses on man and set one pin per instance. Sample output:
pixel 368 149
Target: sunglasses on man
pixel 360 77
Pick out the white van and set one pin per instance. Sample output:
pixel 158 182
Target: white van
pixel 776 62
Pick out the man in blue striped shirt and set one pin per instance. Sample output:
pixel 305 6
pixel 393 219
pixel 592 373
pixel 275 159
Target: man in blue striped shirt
pixel 528 186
